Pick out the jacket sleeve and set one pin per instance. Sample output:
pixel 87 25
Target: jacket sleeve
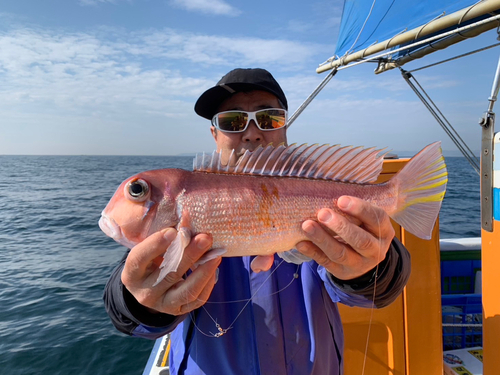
pixel 380 286
pixel 130 317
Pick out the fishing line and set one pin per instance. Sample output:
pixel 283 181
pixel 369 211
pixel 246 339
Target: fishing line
pixel 222 331
pixel 294 276
pixel 371 316
pixel 373 305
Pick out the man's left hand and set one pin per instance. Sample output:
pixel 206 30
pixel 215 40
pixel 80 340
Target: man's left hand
pixel 359 247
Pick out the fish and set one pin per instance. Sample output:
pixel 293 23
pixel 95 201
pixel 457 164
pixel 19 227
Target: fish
pixel 255 205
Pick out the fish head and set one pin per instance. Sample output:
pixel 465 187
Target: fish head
pixel 141 205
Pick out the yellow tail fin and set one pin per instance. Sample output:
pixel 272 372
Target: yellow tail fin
pixel 421 186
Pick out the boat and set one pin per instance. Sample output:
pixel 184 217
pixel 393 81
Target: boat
pixel 158 358
pixel 407 336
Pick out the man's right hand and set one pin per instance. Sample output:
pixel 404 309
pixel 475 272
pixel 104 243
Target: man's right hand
pixel 174 295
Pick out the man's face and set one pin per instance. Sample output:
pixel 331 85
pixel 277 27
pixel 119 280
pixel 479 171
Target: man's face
pixel 252 137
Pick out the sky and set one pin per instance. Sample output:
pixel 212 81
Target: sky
pixel 120 77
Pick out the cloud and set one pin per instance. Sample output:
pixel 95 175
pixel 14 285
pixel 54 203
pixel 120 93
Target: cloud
pixel 300 26
pixel 96 2
pixel 110 91
pixel 38 65
pixel 220 50
pixel 46 73
pixel 60 88
pixel 217 7
pixel 334 9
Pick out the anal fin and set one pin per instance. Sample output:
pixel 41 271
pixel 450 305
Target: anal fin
pixel 209 255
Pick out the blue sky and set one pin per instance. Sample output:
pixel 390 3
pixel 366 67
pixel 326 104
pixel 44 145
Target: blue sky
pixel 120 77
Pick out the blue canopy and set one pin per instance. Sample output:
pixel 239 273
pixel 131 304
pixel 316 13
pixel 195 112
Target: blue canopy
pixel 365 22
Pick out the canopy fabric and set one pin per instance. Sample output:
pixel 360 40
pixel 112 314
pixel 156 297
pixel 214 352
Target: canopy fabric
pixel 365 22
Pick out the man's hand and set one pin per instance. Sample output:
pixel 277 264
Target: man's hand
pixel 360 247
pixel 174 295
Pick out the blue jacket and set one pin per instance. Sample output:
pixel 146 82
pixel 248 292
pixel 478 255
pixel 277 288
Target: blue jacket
pixel 283 321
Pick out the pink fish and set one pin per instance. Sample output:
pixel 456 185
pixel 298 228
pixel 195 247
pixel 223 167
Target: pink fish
pixel 256 206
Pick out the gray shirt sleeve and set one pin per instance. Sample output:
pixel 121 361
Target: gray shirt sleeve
pixel 128 315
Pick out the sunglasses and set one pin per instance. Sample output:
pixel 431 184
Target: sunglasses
pixel 237 121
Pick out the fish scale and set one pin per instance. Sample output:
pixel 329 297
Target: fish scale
pixel 254 218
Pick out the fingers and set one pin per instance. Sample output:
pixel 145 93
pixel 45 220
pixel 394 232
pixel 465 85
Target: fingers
pixel 191 293
pixel 361 244
pixel 373 218
pixel 323 247
pixel 262 263
pixel 374 232
pixel 141 259
pixel 358 238
pixel 198 246
pixel 173 295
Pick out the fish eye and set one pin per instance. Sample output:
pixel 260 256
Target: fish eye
pixel 138 190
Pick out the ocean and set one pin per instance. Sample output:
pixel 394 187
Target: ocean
pixel 55 261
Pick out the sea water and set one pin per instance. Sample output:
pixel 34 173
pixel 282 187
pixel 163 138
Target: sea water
pixel 54 259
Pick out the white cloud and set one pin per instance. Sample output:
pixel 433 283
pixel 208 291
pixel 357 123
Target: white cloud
pixel 95 2
pixel 217 7
pixel 299 26
pixel 221 50
pixel 133 93
pixel 237 51
pixel 38 65
pixel 60 88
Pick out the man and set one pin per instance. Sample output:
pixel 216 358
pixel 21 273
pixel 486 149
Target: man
pixel 259 315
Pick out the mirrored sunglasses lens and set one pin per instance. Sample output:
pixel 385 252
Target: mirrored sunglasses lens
pixel 271 119
pixel 232 121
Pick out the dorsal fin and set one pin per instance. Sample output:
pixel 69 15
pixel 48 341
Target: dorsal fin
pixel 348 164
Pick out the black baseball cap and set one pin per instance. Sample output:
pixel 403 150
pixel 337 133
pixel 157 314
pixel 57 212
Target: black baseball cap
pixel 237 80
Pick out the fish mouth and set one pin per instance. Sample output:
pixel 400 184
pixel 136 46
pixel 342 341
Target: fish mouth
pixel 112 229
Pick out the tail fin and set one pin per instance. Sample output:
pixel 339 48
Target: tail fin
pixel 421 186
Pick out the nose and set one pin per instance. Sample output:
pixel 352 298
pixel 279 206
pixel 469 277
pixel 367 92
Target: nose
pixel 253 133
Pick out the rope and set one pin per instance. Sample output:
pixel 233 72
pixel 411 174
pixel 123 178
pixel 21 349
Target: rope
pixel 362 28
pixel 455 58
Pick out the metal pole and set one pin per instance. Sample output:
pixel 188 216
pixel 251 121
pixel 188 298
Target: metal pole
pixel 311 97
pixel 442 121
pixel 487 122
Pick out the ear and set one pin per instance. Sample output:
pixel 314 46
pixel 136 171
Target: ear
pixel 213 130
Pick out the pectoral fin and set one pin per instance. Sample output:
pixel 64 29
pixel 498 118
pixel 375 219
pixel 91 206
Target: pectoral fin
pixel 174 253
pixel 293 256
